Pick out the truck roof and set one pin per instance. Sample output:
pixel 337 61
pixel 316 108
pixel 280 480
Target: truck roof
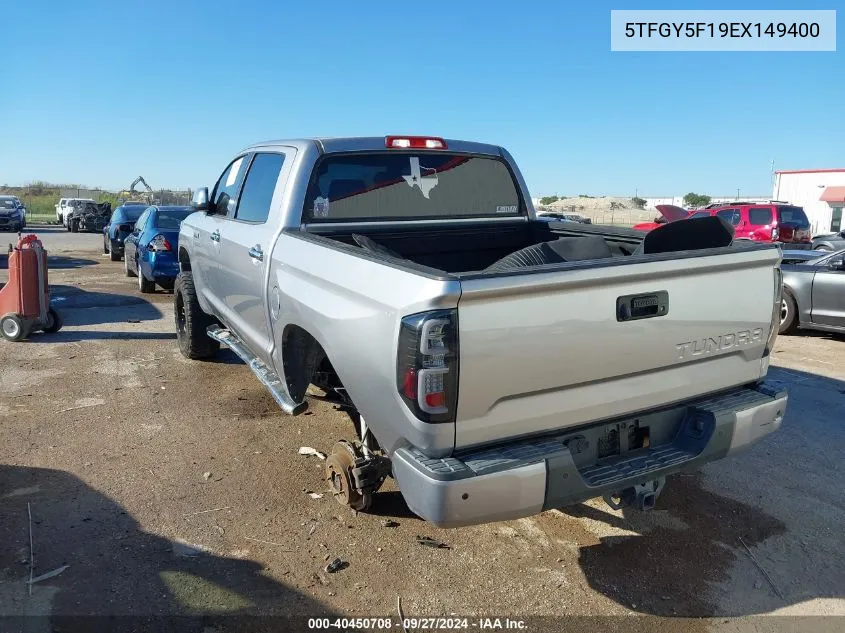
pixel 330 145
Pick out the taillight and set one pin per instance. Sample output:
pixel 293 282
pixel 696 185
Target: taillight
pixel 159 244
pixel 427 364
pixel 414 142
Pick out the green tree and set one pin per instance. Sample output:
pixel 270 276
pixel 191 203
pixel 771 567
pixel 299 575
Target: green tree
pixel 638 202
pixel 696 200
pixel 548 200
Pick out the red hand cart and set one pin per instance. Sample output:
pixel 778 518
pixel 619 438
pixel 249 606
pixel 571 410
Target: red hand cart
pixel 25 300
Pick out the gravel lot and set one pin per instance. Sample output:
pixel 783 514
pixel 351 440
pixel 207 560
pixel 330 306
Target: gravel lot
pixel 174 487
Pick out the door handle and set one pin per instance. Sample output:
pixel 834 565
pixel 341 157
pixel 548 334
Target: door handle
pixel 215 237
pixel 256 253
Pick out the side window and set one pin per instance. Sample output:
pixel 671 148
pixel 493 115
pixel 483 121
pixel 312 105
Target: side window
pixel 225 196
pixel 257 192
pixel 139 225
pixel 760 216
pixel 731 215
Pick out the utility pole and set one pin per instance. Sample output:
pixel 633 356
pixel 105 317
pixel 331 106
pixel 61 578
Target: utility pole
pixel 737 193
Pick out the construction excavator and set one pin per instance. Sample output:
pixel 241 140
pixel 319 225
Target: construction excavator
pixel 131 195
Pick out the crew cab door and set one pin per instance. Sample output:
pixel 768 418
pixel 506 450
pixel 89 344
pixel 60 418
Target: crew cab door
pixel 829 293
pixel 208 229
pixel 246 240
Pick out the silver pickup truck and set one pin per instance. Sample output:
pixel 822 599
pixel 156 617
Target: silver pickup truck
pixel 496 365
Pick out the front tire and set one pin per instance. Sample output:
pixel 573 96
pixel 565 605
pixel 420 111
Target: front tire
pixel 12 328
pixel 126 270
pixel 824 248
pixel 788 314
pixel 74 226
pixel 191 321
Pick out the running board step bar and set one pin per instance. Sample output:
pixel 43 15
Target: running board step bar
pixel 267 376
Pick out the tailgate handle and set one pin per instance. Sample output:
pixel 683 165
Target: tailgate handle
pixel 642 306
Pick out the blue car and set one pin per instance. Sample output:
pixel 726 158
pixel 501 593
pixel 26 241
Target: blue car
pixel 151 249
pixel 119 227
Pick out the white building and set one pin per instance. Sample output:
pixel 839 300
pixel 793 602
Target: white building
pixel 821 192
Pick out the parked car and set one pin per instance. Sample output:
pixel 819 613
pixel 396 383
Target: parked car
pixel 70 205
pixel 498 365
pixel 11 214
pixel 120 225
pixel 150 249
pixel 813 291
pixel 829 241
pixel 22 207
pixel 780 223
pixel 89 217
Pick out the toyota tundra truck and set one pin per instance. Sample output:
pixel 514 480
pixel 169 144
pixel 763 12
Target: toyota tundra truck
pixel 494 364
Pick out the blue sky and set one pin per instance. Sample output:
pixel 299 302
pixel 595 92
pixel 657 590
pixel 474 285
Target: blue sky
pixel 98 92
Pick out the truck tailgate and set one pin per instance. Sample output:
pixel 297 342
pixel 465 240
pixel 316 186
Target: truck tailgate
pixel 547 350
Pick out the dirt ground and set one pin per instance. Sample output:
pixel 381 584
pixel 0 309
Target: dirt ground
pixel 172 487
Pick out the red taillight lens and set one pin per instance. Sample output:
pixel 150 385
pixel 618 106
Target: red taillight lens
pixel 414 142
pixel 159 244
pixel 427 365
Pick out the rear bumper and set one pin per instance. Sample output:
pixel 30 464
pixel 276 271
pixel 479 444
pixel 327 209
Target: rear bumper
pixel 528 476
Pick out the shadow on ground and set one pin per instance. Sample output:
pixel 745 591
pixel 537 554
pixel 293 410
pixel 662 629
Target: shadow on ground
pixel 671 561
pixel 117 569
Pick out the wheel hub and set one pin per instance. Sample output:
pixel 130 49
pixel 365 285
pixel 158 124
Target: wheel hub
pixel 11 328
pixel 784 310
pixel 339 476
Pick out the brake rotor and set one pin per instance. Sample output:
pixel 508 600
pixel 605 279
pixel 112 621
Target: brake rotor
pixel 339 465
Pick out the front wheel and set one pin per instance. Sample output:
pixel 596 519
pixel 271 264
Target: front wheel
pixel 191 321
pixel 126 270
pixel 12 328
pixel 788 314
pixel 824 247
pixel 74 226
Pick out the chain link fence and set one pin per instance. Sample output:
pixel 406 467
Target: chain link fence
pixel 41 200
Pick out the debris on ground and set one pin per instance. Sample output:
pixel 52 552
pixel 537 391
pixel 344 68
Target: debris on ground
pixel 389 523
pixel 206 476
pixel 48 575
pixel 336 565
pixel 312 529
pixel 315 495
pixel 307 450
pixel 190 514
pixel 430 542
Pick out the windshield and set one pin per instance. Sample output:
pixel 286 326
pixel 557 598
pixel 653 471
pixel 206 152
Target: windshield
pixel 171 218
pixel 8 203
pixel 794 216
pixel 408 186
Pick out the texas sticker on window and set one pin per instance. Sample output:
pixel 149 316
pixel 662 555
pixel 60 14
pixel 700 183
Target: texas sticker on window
pixel 321 207
pixel 506 208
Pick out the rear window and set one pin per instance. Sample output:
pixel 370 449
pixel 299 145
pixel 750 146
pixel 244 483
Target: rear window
pixel 410 186
pixel 760 216
pixel 794 216
pixel 699 214
pixel 169 219
pixel 134 212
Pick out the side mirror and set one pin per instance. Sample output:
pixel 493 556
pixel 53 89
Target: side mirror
pixel 200 200
pixel 837 264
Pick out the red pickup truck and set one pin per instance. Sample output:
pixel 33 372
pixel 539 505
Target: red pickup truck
pixel 767 222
